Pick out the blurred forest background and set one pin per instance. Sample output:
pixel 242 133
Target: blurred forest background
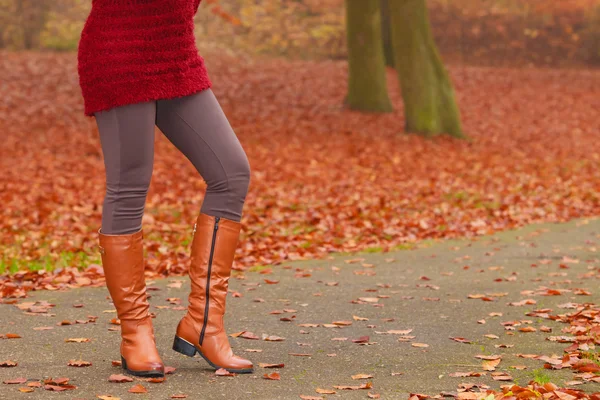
pixel 562 33
pixel 326 175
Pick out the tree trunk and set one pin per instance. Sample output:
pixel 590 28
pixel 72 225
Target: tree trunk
pixel 386 30
pixel 33 16
pixel 367 83
pixel 429 104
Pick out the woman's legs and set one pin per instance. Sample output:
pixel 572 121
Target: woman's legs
pixel 127 138
pixel 197 126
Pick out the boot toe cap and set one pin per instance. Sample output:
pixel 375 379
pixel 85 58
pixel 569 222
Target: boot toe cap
pixel 242 363
pixel 156 366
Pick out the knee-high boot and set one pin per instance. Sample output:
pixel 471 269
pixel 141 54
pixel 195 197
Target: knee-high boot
pixel 202 330
pixel 122 259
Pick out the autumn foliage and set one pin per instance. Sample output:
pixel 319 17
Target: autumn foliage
pixel 323 178
pixel 494 32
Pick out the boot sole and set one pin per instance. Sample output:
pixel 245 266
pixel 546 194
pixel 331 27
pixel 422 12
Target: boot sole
pixel 145 374
pixel 187 349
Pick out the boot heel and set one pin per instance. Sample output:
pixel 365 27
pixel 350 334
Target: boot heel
pixel 183 347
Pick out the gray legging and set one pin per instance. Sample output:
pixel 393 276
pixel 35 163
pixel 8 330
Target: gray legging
pixel 197 126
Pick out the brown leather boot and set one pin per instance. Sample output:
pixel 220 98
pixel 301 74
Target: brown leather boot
pixel 201 330
pixel 123 262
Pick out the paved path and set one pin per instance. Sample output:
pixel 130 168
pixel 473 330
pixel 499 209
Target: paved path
pixel 425 290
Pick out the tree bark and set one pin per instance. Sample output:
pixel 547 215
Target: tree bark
pixel 429 104
pixel 386 31
pixel 367 83
pixel 33 16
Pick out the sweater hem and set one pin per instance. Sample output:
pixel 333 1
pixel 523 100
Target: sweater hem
pixel 150 89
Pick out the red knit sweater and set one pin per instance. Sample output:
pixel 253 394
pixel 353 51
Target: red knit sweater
pixel 134 51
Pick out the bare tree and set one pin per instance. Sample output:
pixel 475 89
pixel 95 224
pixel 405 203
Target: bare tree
pixel 28 19
pixel 386 29
pixel 429 103
pixel 367 83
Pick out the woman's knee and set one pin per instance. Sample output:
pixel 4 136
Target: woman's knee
pixel 226 192
pixel 236 185
pixel 234 179
pixel 240 178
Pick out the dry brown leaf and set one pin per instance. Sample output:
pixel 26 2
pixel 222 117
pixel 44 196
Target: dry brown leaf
pixel 138 389
pixel 79 363
pixel 325 391
pixel 272 376
pixel 7 364
pixel 266 365
pixel 362 376
pixel 119 378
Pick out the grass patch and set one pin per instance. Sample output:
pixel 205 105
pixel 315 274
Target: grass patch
pixel 50 262
pixel 258 268
pixel 10 266
pixel 404 246
pixel 376 249
pixel 591 355
pixel 540 376
pixel 537 375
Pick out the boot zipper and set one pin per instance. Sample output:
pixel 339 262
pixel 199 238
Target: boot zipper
pixel 210 258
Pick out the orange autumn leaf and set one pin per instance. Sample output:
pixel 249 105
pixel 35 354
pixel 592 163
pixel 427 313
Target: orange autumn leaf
pixel 138 389
pixel 272 376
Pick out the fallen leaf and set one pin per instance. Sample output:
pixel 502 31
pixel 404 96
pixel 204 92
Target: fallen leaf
pixel 77 340
pixel 16 381
pixel 362 376
pixel 224 372
pixel 138 389
pixel 367 385
pixel 362 339
pixel 325 391
pixel 79 363
pixel 8 364
pixel 272 376
pixel 266 365
pixel 169 370
pixel 12 336
pixel 118 378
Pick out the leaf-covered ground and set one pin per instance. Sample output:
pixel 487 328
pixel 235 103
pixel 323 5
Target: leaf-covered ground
pixel 504 317
pixel 323 178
